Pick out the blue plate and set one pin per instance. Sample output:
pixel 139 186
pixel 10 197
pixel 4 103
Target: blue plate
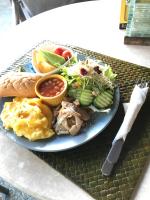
pixel 98 122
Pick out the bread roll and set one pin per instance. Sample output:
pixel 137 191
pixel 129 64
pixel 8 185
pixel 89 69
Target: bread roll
pixel 19 84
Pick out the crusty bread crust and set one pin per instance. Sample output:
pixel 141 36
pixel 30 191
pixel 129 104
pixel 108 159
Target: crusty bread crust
pixel 19 84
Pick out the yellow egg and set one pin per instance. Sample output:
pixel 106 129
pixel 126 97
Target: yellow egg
pixel 28 117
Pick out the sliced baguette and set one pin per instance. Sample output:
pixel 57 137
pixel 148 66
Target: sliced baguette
pixel 19 84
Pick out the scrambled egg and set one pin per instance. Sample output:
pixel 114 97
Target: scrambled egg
pixel 28 117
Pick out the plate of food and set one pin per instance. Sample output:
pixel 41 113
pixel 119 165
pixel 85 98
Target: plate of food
pixel 60 100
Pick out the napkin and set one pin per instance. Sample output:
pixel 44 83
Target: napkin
pixel 137 99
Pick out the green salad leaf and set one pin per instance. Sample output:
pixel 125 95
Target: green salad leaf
pixel 109 73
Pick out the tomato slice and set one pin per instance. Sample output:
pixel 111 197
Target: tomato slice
pixel 66 54
pixel 59 50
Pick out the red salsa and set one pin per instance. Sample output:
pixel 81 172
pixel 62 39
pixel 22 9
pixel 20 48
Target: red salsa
pixel 51 87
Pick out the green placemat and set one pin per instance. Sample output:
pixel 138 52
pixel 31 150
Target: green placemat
pixel 83 164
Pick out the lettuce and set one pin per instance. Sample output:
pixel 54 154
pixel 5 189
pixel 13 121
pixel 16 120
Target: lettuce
pixel 107 72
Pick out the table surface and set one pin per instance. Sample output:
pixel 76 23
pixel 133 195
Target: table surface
pixel 93 25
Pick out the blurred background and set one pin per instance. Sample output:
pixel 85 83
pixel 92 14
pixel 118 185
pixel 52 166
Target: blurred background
pixel 6 19
pixel 13 12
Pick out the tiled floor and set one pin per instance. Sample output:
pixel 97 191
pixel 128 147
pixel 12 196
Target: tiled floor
pixel 5 16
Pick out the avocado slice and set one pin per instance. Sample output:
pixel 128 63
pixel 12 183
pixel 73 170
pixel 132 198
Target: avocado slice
pixel 52 58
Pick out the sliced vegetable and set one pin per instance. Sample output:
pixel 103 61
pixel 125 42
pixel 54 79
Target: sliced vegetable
pixel 75 93
pixel 72 92
pixel 104 100
pixel 86 97
pixel 78 93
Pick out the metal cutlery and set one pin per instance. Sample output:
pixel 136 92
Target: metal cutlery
pixel 137 99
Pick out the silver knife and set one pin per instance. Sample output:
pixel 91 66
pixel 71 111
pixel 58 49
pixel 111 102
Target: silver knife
pixel 137 99
pixel 112 157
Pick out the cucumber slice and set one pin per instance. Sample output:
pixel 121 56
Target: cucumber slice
pixel 72 92
pixel 75 93
pixel 99 103
pixel 78 93
pixel 104 100
pixel 86 97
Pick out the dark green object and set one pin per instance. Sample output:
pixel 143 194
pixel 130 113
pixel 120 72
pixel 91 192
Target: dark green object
pixel 82 165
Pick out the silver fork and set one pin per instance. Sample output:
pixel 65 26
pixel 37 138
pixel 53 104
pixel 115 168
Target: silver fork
pixel 141 89
pixel 142 83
